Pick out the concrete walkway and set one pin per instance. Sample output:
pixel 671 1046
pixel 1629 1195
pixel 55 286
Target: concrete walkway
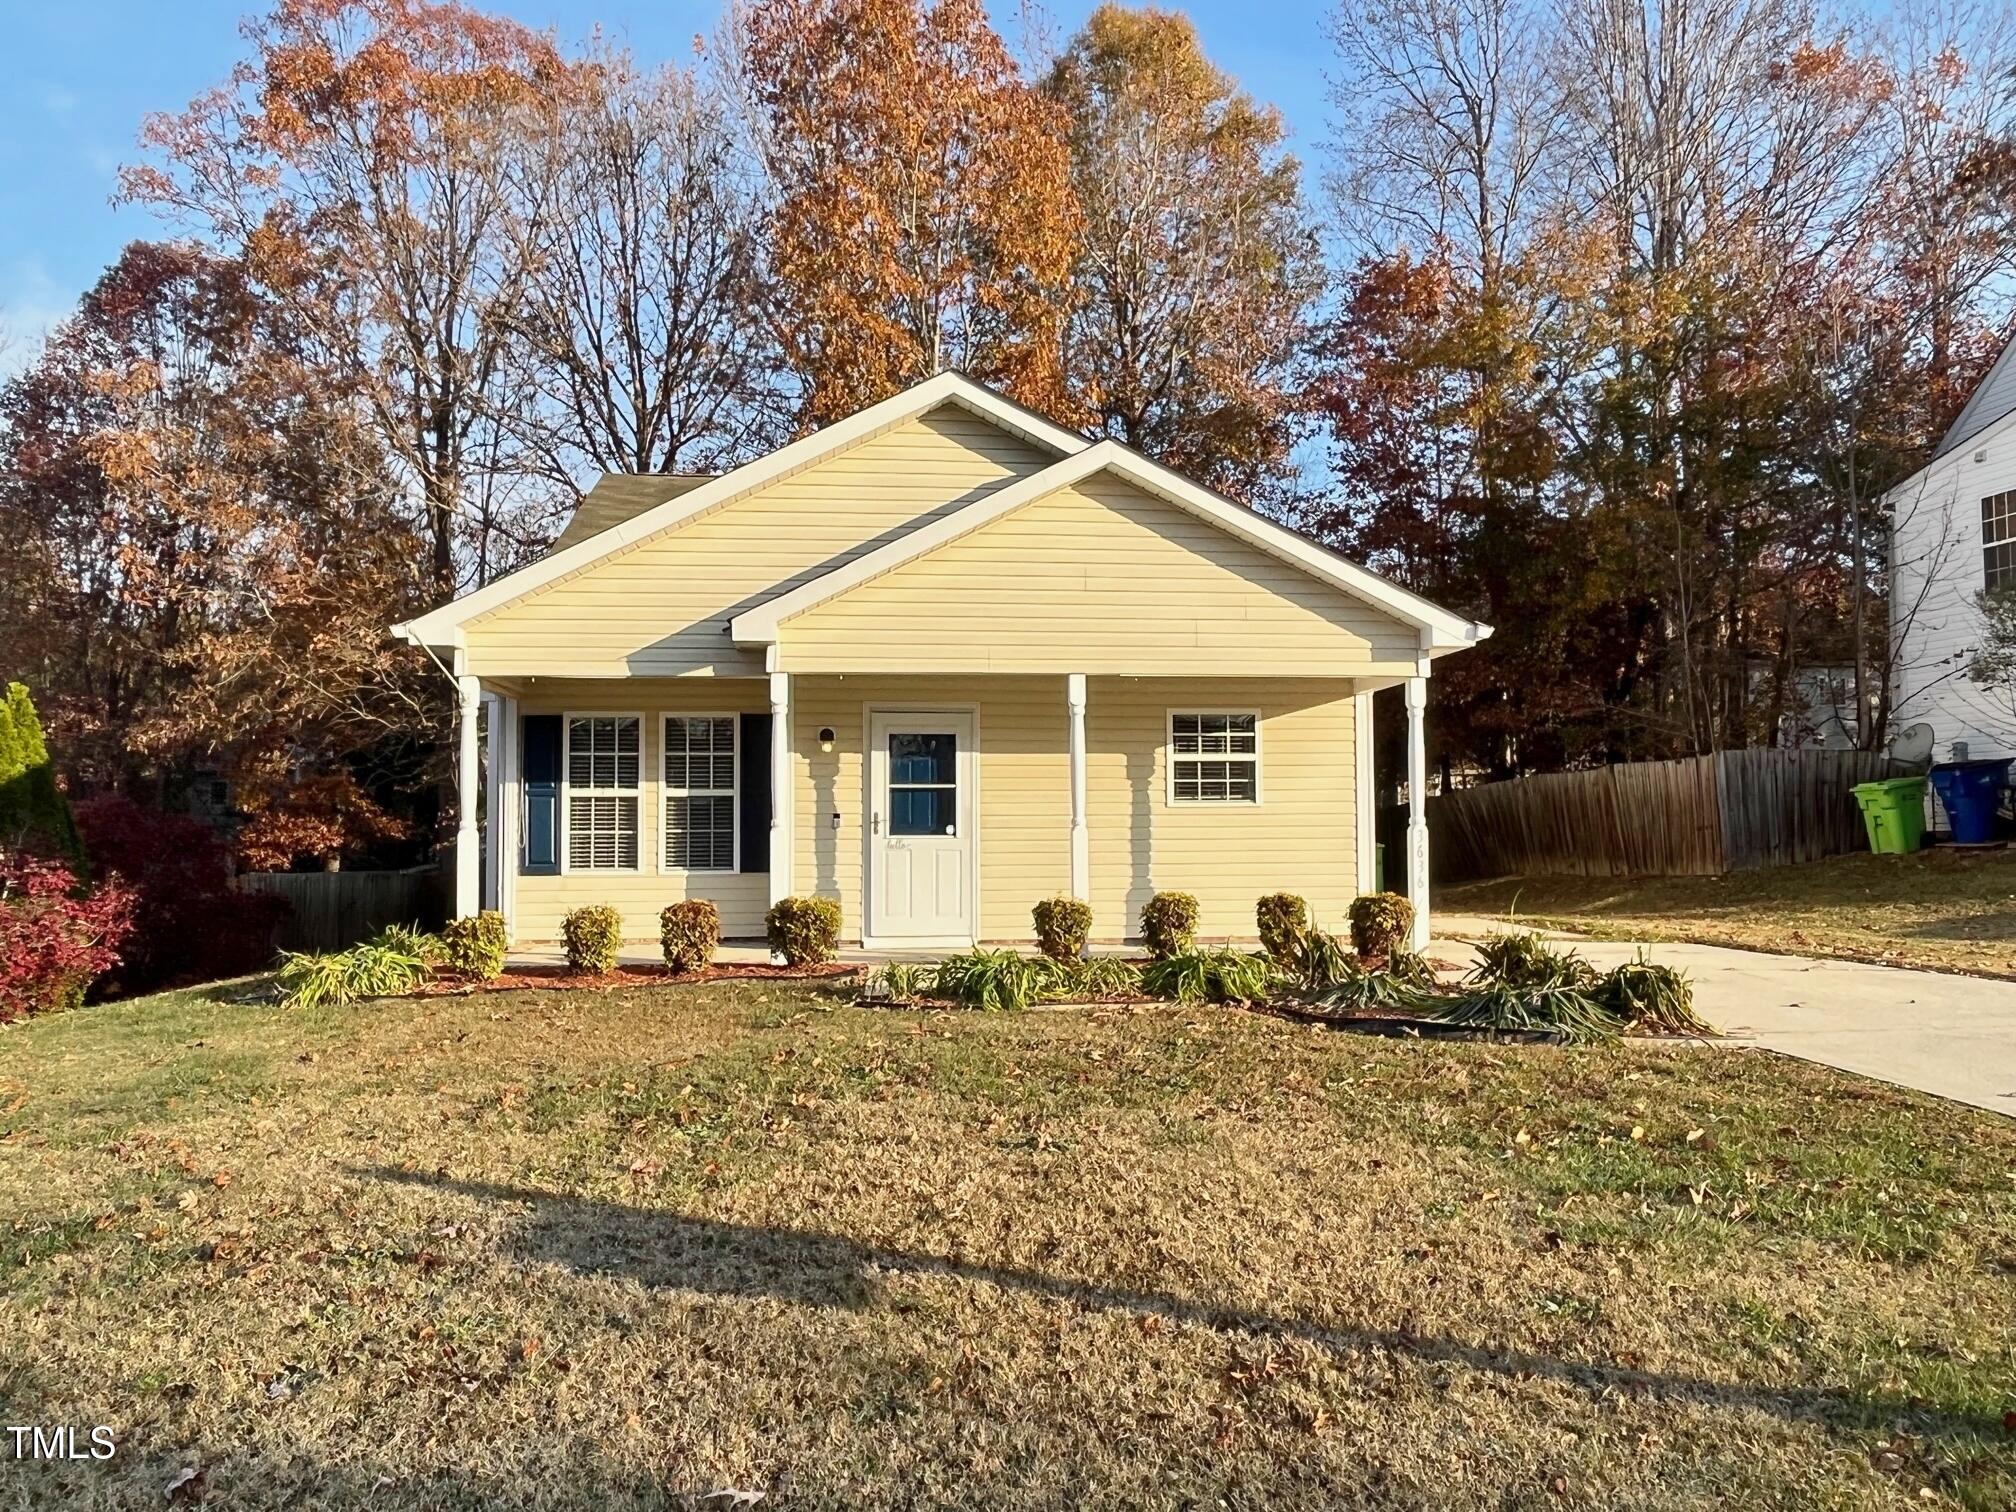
pixel 1954 1036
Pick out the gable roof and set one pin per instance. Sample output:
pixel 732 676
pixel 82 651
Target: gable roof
pixel 1441 629
pixel 1994 398
pixel 443 626
pixel 623 496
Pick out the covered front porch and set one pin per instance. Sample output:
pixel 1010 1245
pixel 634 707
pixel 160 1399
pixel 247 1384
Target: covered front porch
pixel 937 808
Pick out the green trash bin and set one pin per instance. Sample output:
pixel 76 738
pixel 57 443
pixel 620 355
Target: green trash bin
pixel 1379 868
pixel 1894 812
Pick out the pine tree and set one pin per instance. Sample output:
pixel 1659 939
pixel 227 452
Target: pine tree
pixel 34 814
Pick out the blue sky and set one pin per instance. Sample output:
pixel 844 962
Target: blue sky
pixel 77 76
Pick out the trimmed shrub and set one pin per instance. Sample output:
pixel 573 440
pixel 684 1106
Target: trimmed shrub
pixel 1282 918
pixel 189 923
pixel 54 942
pixel 592 935
pixel 1169 924
pixel 805 931
pixel 688 932
pixel 34 815
pixel 1063 925
pixel 1209 976
pixel 1379 924
pixel 475 947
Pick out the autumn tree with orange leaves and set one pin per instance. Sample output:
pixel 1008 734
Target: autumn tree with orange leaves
pixel 923 216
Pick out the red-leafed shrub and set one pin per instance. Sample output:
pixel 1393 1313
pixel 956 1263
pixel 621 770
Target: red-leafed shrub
pixel 189 923
pixel 53 941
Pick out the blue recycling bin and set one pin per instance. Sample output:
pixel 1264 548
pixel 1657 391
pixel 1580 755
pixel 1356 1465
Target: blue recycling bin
pixel 1971 791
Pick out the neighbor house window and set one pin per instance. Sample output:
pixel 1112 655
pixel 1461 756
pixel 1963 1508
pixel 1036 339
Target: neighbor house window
pixel 1998 538
pixel 1214 758
pixel 700 792
pixel 605 791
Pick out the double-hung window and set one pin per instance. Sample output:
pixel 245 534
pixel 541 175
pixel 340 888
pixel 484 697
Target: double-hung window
pixel 605 791
pixel 1214 758
pixel 1998 539
pixel 700 792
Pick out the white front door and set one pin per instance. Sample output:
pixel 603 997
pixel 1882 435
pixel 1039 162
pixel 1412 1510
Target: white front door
pixel 921 823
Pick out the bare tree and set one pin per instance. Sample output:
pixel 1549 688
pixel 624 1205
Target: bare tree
pixel 639 344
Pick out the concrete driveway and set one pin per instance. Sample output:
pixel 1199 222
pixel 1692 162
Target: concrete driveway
pixel 1954 1036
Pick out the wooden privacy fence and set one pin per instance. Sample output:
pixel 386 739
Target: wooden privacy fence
pixel 1700 816
pixel 333 910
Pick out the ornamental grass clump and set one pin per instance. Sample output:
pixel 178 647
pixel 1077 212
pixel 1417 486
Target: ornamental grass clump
pixel 1063 925
pixel 1210 976
pixel 1357 990
pixel 689 931
pixel 804 931
pixel 1282 919
pixel 592 935
pixel 1169 924
pixel 1652 997
pixel 1521 984
pixel 992 979
pixel 900 982
pixel 1319 960
pixel 397 961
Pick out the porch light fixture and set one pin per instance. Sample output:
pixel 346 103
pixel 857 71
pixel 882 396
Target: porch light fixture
pixel 826 740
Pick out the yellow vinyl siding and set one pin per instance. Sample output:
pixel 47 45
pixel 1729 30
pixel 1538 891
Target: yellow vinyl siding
pixel 1101 578
pixel 1024 777
pixel 742 897
pixel 661 607
pixel 1301 837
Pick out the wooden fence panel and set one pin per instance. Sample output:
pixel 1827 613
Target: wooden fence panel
pixel 1697 817
pixel 334 910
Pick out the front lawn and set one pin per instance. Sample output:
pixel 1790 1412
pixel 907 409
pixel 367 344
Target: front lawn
pixel 641 1247
pixel 1953 910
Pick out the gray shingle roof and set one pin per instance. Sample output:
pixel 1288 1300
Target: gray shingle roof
pixel 624 496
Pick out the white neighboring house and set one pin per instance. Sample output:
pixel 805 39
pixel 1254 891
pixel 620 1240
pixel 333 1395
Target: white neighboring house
pixel 1953 534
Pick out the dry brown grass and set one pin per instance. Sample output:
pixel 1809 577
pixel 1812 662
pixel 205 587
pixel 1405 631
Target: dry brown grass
pixel 1946 909
pixel 635 1248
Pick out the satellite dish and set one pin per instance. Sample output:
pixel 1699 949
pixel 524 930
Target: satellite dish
pixel 1913 745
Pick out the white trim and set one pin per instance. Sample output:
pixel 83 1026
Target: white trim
pixel 1451 632
pixel 1365 823
pixel 512 811
pixel 1081 834
pixel 443 626
pixel 1417 806
pixel 565 818
pixel 1169 758
pixel 783 835
pixel 870 941
pixel 666 793
pixel 468 792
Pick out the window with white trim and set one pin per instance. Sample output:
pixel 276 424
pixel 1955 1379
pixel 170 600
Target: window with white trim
pixel 700 792
pixel 604 776
pixel 1214 758
pixel 1998 539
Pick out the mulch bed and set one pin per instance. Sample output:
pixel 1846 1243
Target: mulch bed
pixel 559 978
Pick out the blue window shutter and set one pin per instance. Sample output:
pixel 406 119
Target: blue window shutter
pixel 753 748
pixel 541 853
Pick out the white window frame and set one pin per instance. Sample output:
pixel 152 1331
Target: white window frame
pixel 567 866
pixel 666 793
pixel 1999 510
pixel 1170 758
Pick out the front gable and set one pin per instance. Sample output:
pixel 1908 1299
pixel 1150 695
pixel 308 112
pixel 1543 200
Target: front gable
pixel 1100 576
pixel 660 606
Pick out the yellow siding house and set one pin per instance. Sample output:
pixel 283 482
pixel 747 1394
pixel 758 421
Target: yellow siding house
pixel 939 661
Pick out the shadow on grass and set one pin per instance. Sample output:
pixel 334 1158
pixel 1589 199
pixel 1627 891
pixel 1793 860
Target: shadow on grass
pixel 664 1249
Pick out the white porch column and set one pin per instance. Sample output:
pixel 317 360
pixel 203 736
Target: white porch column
pixel 1081 838
pixel 468 792
pixel 492 890
pixel 1417 805
pixel 1367 824
pixel 780 786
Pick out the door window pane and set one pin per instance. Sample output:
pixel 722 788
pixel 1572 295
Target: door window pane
pixel 923 758
pixel 923 811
